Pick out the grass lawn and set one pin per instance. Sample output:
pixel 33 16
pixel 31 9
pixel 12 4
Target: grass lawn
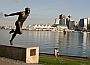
pixel 52 60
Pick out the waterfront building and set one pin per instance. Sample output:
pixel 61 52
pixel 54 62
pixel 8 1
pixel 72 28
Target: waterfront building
pixel 29 27
pixel 64 22
pixel 83 24
pixel 56 21
pixel 42 27
pixel 70 23
pixel 60 22
pixel 88 25
pixel 68 19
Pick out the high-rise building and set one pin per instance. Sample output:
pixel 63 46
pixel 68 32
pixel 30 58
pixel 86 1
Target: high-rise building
pixel 70 23
pixel 56 21
pixel 83 23
pixel 60 21
pixel 63 22
pixel 88 24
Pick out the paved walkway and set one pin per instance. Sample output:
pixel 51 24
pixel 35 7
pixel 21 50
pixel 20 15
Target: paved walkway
pixel 6 61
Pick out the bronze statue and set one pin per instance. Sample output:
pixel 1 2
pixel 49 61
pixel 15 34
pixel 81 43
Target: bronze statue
pixel 21 18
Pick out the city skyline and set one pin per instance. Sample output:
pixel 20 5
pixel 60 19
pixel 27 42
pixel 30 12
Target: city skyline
pixel 45 11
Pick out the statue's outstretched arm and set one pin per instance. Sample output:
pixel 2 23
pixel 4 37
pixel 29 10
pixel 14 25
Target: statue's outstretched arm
pixel 12 14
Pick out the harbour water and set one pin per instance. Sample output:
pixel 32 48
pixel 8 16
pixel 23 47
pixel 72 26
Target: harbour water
pixel 71 44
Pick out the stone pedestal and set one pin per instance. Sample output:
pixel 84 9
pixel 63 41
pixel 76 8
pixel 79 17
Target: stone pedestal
pixel 28 54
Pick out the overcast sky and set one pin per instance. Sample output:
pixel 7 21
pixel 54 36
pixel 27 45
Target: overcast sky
pixel 45 11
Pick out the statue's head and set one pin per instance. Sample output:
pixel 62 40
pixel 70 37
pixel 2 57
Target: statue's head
pixel 27 10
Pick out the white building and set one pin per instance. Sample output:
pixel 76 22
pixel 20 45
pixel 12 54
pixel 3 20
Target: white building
pixel 56 21
pixel 42 27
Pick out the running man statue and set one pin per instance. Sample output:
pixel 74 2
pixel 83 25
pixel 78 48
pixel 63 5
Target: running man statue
pixel 21 18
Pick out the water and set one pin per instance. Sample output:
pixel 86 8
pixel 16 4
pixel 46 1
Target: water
pixel 72 44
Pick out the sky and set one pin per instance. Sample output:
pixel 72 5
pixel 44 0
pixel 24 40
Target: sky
pixel 44 11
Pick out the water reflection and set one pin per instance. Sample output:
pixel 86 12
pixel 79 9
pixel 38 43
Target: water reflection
pixel 72 43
